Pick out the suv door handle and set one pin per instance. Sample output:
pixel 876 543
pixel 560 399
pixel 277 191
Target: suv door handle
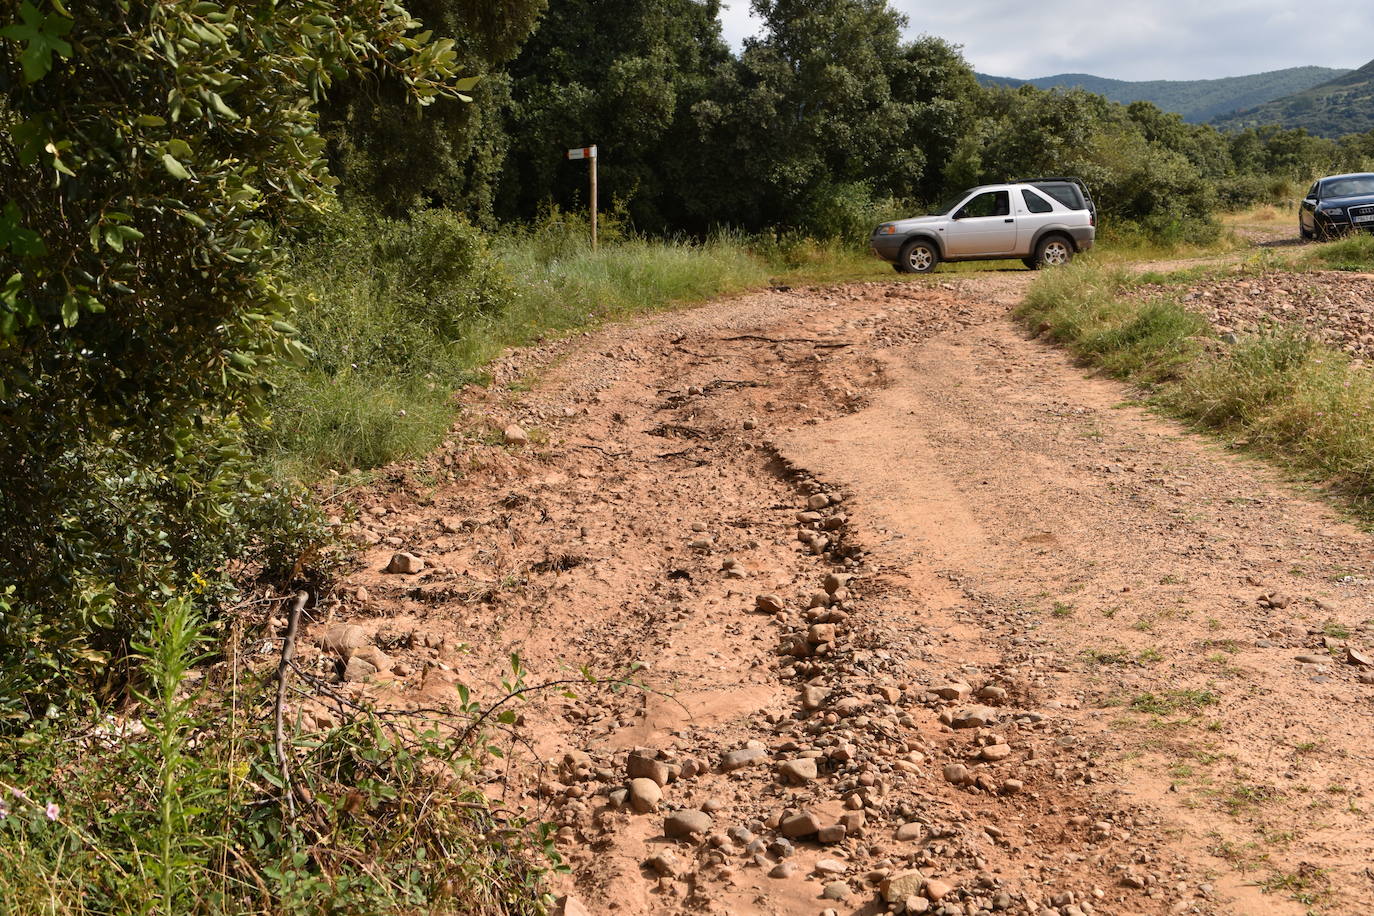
pixel 1008 220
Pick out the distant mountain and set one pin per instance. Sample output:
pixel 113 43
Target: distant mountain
pixel 1196 100
pixel 1339 106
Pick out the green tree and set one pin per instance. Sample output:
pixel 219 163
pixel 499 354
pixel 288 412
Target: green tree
pixel 623 75
pixel 150 150
pixel 824 112
pixel 399 155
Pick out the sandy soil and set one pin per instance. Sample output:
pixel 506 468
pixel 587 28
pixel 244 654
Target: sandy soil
pixel 921 616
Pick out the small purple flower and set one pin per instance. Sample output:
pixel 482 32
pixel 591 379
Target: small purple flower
pixel 52 811
pixel 4 811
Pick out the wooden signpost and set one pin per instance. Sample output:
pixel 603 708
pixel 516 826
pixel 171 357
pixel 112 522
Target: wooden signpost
pixel 588 153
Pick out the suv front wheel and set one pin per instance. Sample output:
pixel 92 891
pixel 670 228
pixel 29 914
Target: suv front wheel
pixel 918 256
pixel 1053 251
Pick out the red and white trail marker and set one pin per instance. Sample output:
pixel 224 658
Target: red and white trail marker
pixel 584 152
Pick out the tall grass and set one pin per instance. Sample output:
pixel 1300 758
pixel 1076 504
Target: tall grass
pixel 1279 393
pixel 401 313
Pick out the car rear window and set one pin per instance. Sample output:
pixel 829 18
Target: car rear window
pixel 1067 194
pixel 1035 203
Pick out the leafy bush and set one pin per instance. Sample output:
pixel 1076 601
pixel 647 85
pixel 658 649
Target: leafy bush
pixel 149 150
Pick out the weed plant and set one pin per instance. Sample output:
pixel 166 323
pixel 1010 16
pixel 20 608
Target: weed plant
pixel 180 807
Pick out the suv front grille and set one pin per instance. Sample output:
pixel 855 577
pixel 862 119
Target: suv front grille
pixel 1363 214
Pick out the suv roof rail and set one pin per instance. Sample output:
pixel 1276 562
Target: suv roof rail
pixel 1068 178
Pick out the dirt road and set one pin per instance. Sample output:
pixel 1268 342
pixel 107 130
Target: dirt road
pixel 926 617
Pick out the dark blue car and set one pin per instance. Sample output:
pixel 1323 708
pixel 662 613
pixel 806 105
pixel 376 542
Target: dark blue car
pixel 1336 205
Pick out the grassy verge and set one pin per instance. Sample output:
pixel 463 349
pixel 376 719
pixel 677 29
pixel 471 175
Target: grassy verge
pixel 1279 394
pixel 1355 252
pixel 401 313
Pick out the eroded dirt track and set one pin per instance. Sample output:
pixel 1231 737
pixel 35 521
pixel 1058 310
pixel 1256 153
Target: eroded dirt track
pixel 922 611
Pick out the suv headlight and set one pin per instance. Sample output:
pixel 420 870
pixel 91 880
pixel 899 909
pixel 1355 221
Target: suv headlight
pixel 1330 211
pixel 886 229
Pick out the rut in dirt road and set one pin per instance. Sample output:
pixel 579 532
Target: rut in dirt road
pixel 929 622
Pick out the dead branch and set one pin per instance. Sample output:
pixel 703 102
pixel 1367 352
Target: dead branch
pixel 288 651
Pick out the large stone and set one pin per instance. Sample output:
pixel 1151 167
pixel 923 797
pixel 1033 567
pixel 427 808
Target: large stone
pixel 995 752
pixel 798 772
pixel 359 669
pixel 820 633
pixel 957 773
pixel 955 690
pixel 645 795
pixel 936 890
pixel 902 885
pixel 975 717
pixel 800 825
pixel 405 563
pixel 344 639
pixel 739 759
pixel 514 435
pixel 681 825
pixel 769 603
pixel 814 697
pixel 571 906
pixel 643 765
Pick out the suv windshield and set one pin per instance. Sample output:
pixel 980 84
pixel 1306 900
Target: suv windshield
pixel 951 203
pixel 1348 187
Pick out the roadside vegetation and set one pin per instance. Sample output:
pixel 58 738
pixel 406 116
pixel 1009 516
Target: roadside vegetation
pixel 244 247
pixel 1279 393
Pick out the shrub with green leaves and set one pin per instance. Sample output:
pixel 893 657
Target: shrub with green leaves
pixel 147 152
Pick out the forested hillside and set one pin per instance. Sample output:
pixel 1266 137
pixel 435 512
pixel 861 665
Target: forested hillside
pixel 1196 100
pixel 1342 105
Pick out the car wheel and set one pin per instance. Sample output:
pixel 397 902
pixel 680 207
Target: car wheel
pixel 1030 262
pixel 918 257
pixel 1304 234
pixel 1053 251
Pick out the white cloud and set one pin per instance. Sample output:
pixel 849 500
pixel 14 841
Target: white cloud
pixel 737 22
pixel 1134 39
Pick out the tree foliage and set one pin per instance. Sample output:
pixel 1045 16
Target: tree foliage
pixel 400 155
pixel 150 151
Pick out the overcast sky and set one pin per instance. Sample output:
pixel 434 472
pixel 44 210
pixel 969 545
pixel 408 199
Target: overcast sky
pixel 1135 39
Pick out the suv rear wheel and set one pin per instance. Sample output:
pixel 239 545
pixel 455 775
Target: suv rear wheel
pixel 1053 251
pixel 918 256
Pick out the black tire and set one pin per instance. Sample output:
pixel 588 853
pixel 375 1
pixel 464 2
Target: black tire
pixel 1030 262
pixel 918 256
pixel 1304 234
pixel 1053 251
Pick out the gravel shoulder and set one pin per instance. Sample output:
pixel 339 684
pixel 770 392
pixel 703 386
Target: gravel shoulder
pixel 921 619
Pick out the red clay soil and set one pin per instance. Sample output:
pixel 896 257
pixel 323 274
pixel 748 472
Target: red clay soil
pixel 926 619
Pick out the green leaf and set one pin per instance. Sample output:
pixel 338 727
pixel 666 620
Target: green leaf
pixel 42 37
pixel 173 167
pixel 25 243
pixel 221 108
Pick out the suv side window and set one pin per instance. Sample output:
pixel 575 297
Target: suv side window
pixel 1313 192
pixel 1066 194
pixel 989 203
pixel 1035 203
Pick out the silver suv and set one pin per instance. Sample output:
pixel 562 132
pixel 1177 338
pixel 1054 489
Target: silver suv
pixel 1042 221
